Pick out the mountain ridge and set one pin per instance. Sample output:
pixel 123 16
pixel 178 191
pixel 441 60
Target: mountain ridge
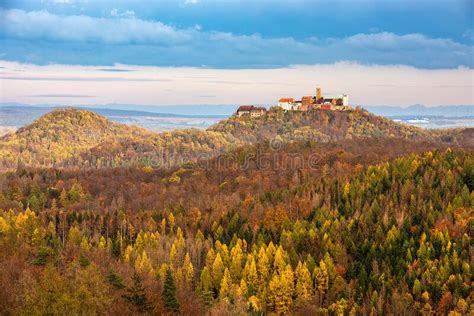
pixel 78 137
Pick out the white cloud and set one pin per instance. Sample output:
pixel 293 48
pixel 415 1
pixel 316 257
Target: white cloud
pixel 160 44
pixel 366 85
pixel 81 28
pixel 191 1
pixel 125 14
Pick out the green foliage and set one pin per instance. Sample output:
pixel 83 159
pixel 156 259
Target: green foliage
pixel 168 296
pixel 115 280
pixel 136 295
pixel 42 256
pixel 84 261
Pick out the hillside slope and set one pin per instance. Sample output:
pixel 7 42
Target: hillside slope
pixel 316 126
pixel 71 137
pixel 390 239
pixel 59 135
pixel 80 138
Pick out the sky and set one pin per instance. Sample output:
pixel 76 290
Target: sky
pixel 380 52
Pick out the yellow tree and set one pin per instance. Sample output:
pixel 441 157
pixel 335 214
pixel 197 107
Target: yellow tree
pixel 280 291
pixel 236 257
pixel 250 274
pixel 143 263
pixel 304 283
pixel 243 289
pixel 226 285
pixel 210 257
pixel 279 262
pixel 217 270
pixel 321 280
pixel 188 270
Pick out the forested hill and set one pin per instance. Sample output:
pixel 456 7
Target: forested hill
pixel 71 137
pixel 316 125
pixel 61 134
pixel 80 138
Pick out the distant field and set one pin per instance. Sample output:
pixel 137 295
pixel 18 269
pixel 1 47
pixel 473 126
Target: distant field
pixel 435 122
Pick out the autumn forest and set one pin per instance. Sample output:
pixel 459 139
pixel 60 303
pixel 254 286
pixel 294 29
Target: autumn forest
pixel 314 213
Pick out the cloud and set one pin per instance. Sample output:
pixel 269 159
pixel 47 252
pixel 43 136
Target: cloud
pixel 42 37
pixel 125 14
pixel 43 25
pixel 98 79
pixel 114 70
pixel 191 1
pixel 61 96
pixel 365 84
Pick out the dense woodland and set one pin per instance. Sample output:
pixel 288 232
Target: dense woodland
pixel 79 138
pixel 362 225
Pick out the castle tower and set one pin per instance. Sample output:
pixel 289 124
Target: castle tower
pixel 318 94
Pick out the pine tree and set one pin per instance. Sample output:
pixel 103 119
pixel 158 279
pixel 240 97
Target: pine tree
pixel 321 277
pixel 217 271
pixel 115 280
pixel 226 285
pixel 136 295
pixel 304 284
pixel 263 265
pixel 169 294
pixel 281 291
pixel 143 263
pixel 205 286
pixel 250 275
pixel 188 270
pixel 236 256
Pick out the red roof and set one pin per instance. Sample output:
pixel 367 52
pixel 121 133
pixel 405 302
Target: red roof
pixel 245 108
pixel 286 100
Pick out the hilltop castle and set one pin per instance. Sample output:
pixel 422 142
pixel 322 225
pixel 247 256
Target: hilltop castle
pixel 318 101
pixel 339 102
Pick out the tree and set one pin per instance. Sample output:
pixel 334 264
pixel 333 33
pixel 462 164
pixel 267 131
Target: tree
pixel 115 280
pixel 226 285
pixel 321 279
pixel 417 288
pixel 136 295
pixel 250 275
pixel 168 296
pixel 205 286
pixel 49 295
pixel 188 271
pixel 90 290
pixel 281 291
pixel 304 284
pixel 263 265
pixel 217 270
pixel 143 263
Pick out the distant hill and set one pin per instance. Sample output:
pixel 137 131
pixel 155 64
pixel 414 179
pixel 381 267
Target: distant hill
pixel 62 134
pixel 81 138
pixel 72 137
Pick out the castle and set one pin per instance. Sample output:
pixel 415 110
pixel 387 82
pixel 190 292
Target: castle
pixel 339 102
pixel 318 101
